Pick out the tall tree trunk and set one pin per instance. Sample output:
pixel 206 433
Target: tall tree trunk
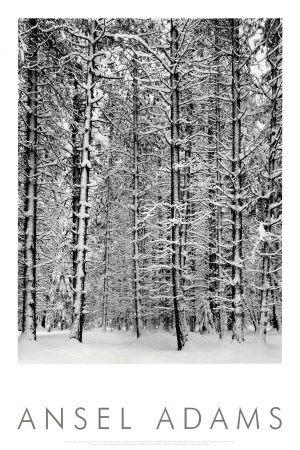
pixel 236 207
pixel 212 263
pixel 136 200
pixel 76 179
pixel 29 299
pixel 83 215
pixel 186 251
pixel 219 212
pixel 161 275
pixel 269 211
pixel 106 248
pixel 175 193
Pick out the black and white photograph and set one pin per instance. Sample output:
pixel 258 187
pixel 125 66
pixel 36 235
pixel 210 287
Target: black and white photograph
pixel 149 224
pixel 149 189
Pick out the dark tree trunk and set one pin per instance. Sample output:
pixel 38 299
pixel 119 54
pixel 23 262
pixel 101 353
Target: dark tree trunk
pixel 236 207
pixel 107 239
pixel 175 194
pixel 29 300
pixel 76 179
pixel 83 214
pixel 268 286
pixel 219 212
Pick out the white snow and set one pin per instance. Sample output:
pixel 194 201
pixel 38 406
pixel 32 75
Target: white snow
pixel 101 140
pixel 119 347
pixel 261 232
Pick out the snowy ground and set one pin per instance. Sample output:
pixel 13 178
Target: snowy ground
pixel 152 347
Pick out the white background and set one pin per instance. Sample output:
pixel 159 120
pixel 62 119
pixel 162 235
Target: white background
pixel 144 390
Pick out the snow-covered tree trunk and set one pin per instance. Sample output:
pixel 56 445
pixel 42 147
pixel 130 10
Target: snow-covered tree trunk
pixel 220 289
pixel 264 312
pixel 186 209
pixel 162 260
pixel 186 253
pixel 83 214
pixel 136 200
pixel 75 179
pixel 236 206
pixel 270 202
pixel 175 193
pixel 219 211
pixel 29 299
pixel 212 228
pixel 106 256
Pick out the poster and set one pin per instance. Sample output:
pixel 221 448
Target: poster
pixel 132 398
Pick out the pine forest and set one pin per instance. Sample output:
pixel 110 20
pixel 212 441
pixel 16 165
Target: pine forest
pixel 150 188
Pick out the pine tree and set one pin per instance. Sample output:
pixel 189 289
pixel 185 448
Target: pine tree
pixel 30 210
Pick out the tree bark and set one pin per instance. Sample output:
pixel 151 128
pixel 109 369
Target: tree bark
pixel 29 300
pixel 268 287
pixel 236 207
pixel 106 249
pixel 219 211
pixel 136 212
pixel 83 215
pixel 175 193
pixel 76 180
pixel 212 229
pixel 186 253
